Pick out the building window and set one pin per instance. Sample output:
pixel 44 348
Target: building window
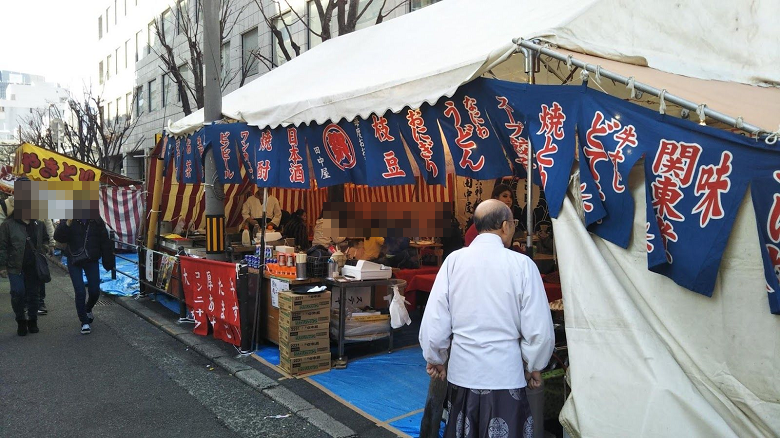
pixel 150 38
pixel 139 100
pixel 249 43
pixel 118 105
pixel 369 17
pixel 108 67
pixel 314 25
pixel 116 61
pixel 419 4
pixel 127 53
pixel 163 90
pixel 100 27
pixel 109 115
pixel 166 26
pixel 225 57
pixel 128 103
pixel 279 23
pixel 108 14
pixel 153 95
pixel 181 11
pixel 100 70
pixel 138 44
pixel 125 6
pixel 184 71
pixel 116 12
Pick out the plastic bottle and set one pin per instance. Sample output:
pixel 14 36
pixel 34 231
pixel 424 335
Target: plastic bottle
pixel 245 240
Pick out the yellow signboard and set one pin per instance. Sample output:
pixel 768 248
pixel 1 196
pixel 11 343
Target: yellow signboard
pixel 40 164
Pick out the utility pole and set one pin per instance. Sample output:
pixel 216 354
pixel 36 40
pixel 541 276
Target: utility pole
pixel 212 111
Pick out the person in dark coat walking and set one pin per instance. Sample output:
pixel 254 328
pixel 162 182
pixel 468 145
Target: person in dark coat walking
pixel 17 263
pixel 88 235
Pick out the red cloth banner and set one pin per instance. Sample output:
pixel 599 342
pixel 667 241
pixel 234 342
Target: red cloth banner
pixel 210 292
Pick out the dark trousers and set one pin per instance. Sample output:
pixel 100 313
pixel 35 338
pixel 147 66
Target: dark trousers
pixel 92 270
pixel 24 293
pixel 42 292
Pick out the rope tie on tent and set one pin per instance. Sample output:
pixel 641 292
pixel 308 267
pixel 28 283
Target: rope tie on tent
pixel 739 123
pixel 597 78
pixel 631 86
pixel 662 102
pixel 700 112
pixel 584 76
pixel 569 64
pixel 772 138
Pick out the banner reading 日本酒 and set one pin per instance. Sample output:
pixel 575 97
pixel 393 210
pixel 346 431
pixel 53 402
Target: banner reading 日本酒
pixel 40 164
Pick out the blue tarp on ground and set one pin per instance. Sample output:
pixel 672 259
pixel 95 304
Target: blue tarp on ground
pixel 384 386
pixel 123 285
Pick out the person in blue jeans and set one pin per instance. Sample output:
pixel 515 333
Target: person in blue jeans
pixel 87 242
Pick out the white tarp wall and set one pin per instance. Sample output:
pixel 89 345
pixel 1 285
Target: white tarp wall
pixel 649 358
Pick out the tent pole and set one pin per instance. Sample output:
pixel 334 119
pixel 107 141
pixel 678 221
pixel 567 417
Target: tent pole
pixel 530 66
pixel 671 98
pixel 259 297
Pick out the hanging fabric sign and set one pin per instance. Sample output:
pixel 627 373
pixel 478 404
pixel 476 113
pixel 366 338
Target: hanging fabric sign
pixel 766 203
pixel 476 149
pixel 552 118
pixel 338 153
pixel 386 160
pixel 695 181
pixel 292 158
pixel 509 123
pixel 210 292
pixel 421 133
pixel 248 142
pixel 225 140
pixel 613 137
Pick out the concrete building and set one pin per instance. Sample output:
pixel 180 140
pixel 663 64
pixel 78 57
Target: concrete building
pixel 131 77
pixel 21 94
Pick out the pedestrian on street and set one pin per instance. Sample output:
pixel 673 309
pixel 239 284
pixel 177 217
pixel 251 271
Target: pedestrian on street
pixel 489 307
pixel 19 238
pixel 87 242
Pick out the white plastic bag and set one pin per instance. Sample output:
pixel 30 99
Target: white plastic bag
pixel 398 314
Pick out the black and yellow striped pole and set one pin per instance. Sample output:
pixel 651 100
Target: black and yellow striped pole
pixel 215 234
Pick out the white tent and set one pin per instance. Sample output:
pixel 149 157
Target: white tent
pixel 648 358
pixel 427 54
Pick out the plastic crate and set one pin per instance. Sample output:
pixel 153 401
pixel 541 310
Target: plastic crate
pixel 316 266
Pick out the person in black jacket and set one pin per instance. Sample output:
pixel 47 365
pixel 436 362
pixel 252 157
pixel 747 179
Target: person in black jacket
pixel 18 237
pixel 88 235
pixel 296 229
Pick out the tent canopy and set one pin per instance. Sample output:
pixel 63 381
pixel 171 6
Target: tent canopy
pixel 424 55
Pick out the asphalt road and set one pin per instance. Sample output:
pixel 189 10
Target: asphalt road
pixel 127 378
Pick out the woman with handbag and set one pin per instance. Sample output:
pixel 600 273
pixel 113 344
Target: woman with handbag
pixel 22 243
pixel 87 242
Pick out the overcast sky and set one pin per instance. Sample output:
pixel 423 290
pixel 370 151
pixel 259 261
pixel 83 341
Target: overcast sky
pixel 52 38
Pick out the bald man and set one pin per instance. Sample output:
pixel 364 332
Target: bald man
pixel 489 307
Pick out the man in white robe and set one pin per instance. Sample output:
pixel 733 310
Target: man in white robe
pixel 488 307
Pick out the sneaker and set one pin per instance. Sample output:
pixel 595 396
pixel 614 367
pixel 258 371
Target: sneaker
pixel 42 309
pixel 85 330
pixel 90 317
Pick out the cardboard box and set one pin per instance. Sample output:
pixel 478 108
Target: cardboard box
pixel 304 348
pixel 306 364
pixel 293 302
pixel 299 319
pixel 294 335
pixel 360 318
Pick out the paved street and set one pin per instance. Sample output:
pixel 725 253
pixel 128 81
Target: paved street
pixel 127 378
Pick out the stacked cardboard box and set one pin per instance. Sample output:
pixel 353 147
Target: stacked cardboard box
pixel 304 344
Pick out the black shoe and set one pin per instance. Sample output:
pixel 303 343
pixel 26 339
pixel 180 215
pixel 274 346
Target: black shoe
pixel 22 330
pixel 42 309
pixel 32 326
